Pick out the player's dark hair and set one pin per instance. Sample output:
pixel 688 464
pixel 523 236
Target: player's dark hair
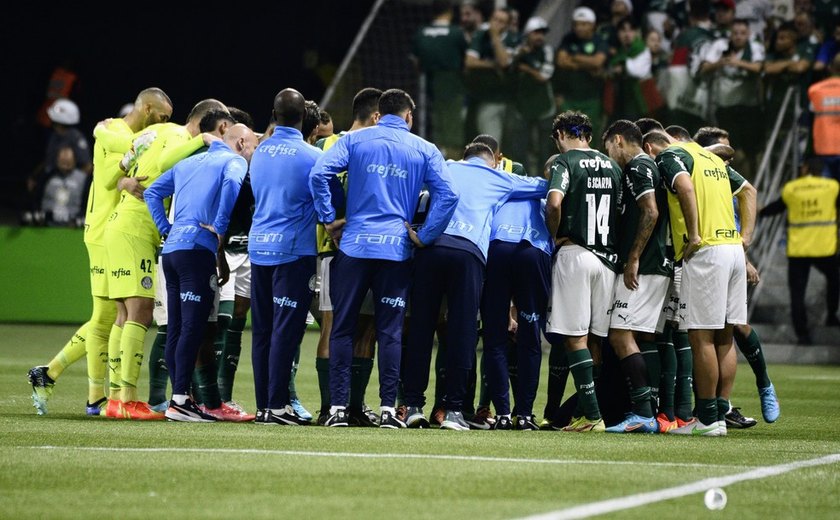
pixel 489 140
pixel 365 103
pixel 479 150
pixel 710 135
pixel 203 107
pixel 324 117
pixel 679 133
pixel 395 101
pixel 626 129
pixel 573 123
pixel 211 120
pixel 740 21
pixel 657 137
pixel 311 118
pixel 240 116
pixel 646 124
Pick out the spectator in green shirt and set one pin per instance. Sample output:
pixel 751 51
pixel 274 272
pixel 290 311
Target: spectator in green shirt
pixel 487 63
pixel 580 61
pixel 534 108
pixel 439 54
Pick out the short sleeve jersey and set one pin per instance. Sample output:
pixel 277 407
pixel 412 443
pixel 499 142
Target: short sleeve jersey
pixel 641 177
pixel 240 220
pixel 590 183
pixel 440 47
pixel 535 99
pixel 489 85
pixel 714 184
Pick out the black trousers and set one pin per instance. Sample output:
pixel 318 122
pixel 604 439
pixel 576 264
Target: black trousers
pixel 798 271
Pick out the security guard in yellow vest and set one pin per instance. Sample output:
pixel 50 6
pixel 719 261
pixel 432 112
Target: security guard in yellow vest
pixel 811 203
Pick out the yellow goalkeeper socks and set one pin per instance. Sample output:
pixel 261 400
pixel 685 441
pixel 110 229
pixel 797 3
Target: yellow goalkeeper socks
pixel 73 351
pixel 131 346
pixel 114 370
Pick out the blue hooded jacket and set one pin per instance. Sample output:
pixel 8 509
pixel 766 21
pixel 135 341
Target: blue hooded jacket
pixel 386 167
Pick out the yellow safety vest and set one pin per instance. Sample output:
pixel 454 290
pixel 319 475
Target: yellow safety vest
pixel 811 216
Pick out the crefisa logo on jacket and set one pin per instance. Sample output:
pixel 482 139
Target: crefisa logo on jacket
pixel 387 170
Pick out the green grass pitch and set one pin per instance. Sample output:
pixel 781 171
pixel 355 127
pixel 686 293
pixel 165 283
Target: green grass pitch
pixel 67 465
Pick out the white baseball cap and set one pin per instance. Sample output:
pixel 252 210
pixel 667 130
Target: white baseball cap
pixel 584 14
pixel 535 23
pixel 64 112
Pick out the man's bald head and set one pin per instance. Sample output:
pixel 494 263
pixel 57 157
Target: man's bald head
pixel 289 108
pixel 242 140
pixel 154 96
pixel 151 106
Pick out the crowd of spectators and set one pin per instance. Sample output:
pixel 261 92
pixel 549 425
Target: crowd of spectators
pixel 687 62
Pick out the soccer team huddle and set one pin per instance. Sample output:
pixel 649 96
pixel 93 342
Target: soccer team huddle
pixel 630 263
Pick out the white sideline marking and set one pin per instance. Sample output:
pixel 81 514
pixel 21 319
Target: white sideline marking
pixel 619 504
pixel 421 456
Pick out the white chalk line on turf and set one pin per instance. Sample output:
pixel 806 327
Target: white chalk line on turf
pixel 619 504
pixel 418 456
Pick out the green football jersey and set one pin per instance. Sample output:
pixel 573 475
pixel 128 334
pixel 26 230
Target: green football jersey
pixel 590 183
pixel 641 177
pixel 240 219
pixel 580 85
pixel 440 47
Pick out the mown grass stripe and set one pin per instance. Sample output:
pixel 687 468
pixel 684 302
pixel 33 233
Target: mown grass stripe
pixel 416 456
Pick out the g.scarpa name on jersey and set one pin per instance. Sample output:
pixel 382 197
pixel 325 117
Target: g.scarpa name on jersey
pixel 599 183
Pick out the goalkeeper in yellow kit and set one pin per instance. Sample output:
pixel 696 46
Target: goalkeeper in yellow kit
pixel 151 106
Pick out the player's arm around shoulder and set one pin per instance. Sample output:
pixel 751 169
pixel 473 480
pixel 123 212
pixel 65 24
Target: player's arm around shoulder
pixel 527 187
pixel 178 146
pixel 111 140
pixel 327 165
pixel 684 189
pixel 444 197
pixel 162 187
